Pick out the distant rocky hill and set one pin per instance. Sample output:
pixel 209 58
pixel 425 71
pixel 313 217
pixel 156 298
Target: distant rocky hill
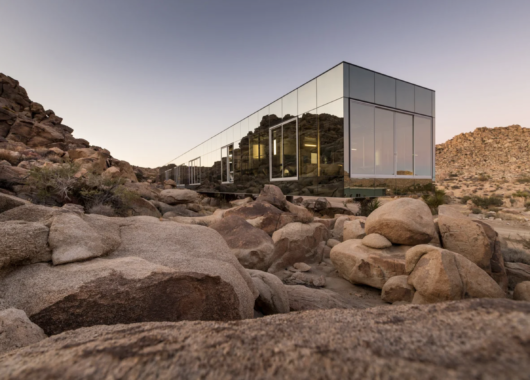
pixel 496 153
pixel 32 136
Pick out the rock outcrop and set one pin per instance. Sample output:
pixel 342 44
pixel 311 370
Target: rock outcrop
pixel 273 297
pixel 252 246
pixel 23 243
pixel 360 264
pixel 403 221
pixel 500 152
pixel 188 249
pixel 16 330
pixel 522 291
pixel 400 342
pixel 297 242
pixel 80 237
pixel 440 275
pixel 122 290
pixel 397 289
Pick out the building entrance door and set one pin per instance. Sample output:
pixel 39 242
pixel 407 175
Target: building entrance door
pixel 283 151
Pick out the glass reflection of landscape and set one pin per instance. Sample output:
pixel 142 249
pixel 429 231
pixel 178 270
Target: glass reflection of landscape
pixel 349 132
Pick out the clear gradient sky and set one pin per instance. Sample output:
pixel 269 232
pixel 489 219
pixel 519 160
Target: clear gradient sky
pixel 150 79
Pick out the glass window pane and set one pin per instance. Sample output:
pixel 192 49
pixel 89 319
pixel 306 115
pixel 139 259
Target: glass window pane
pixel 422 146
pixel 263 161
pixel 263 118
pixel 254 154
pixel 229 135
pixel 384 142
pixel 253 122
pixel 290 105
pixel 404 96
pixel 307 97
pixel 422 101
pixel 237 157
pixel 362 84
pixel 308 139
pixel 245 155
pixel 289 150
pixel 230 163
pixel 362 138
pixel 404 154
pixel 330 86
pixel 276 153
pixel 216 142
pixel 275 113
pixel 331 138
pixel 224 171
pixel 385 90
pixel 237 132
pixel 244 127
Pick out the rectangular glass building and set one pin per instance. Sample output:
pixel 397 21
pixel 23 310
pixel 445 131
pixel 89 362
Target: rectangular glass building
pixel 348 132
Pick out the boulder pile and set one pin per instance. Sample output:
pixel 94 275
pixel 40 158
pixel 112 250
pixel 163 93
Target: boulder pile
pixel 63 270
pixel 483 338
pixel 34 137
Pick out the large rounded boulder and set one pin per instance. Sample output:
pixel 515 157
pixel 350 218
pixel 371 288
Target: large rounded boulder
pixel 403 221
pixel 360 264
pixel 252 246
pixel 441 275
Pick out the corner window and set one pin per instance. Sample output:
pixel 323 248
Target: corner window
pixel 388 144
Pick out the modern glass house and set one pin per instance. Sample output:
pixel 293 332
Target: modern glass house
pixel 348 132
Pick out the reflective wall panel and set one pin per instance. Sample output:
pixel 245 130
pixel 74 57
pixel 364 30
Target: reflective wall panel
pixel 362 121
pixel 404 152
pixel 330 86
pixel 384 142
pixel 290 105
pixel 385 90
pixel 404 96
pixel 422 101
pixel 362 84
pixel 422 146
pixel 307 97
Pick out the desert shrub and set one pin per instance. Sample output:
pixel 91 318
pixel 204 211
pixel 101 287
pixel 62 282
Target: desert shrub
pixel 369 205
pixel 59 185
pixel 485 202
pixel 96 190
pixel 465 199
pixel 456 187
pixel 476 210
pixel 53 185
pixel 5 155
pixel 433 200
pixel 523 179
pixel 522 194
pixel 453 175
pixel 516 255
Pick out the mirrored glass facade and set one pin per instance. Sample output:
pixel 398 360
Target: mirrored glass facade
pixel 348 132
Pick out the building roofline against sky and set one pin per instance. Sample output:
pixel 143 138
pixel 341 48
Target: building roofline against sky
pixel 340 63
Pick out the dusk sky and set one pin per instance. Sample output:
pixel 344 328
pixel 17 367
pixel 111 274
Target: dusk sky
pixel 149 80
